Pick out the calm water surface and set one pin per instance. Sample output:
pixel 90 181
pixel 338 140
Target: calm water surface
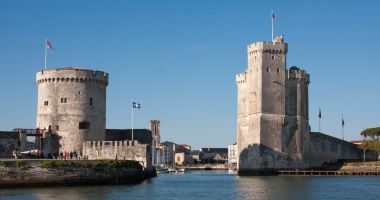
pixel 216 185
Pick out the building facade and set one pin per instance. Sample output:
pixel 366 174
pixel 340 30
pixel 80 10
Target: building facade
pixel 272 117
pixel 232 154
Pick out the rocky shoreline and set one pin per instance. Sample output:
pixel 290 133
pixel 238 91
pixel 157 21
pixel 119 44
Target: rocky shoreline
pixel 70 173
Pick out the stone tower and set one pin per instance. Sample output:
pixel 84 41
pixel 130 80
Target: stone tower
pixel 271 118
pixel 72 104
pixel 155 128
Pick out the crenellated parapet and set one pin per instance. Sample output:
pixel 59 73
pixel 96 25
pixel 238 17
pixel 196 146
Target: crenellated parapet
pixel 297 74
pixel 277 46
pixel 123 150
pixel 125 143
pixel 241 78
pixel 72 102
pixel 71 75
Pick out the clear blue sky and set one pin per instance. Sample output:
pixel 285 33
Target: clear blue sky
pixel 179 59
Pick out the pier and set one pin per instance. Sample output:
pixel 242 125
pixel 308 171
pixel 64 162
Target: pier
pixel 327 173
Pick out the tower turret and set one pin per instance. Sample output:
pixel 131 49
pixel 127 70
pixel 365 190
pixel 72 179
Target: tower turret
pixel 263 93
pixel 72 104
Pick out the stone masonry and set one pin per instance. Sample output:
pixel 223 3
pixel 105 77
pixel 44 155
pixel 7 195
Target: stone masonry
pixel 122 150
pixel 72 105
pixel 272 118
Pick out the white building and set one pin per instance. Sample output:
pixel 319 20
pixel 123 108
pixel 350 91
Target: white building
pixel 232 154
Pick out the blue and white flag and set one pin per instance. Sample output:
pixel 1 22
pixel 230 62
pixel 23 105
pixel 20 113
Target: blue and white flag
pixel 50 46
pixel 136 105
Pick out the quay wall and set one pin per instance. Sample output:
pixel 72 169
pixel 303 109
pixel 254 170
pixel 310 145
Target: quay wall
pixel 37 176
pixel 326 149
pixel 122 150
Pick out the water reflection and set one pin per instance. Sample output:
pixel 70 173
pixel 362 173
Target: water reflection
pixel 83 193
pixel 274 187
pixel 212 185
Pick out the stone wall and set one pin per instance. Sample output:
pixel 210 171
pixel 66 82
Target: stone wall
pixel 123 150
pixel 72 103
pixel 272 118
pixel 9 141
pixel 327 149
pixel 37 176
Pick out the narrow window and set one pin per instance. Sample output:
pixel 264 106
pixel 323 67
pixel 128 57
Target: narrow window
pixel 57 128
pixel 272 57
pixel 84 125
pixel 278 70
pixel 267 69
pixel 46 103
pixel 90 101
pixel 63 100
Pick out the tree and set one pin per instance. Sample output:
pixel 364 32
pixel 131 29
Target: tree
pixel 374 142
pixel 373 133
pixel 365 145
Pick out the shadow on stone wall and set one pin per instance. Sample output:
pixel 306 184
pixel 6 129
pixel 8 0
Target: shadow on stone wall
pixel 259 160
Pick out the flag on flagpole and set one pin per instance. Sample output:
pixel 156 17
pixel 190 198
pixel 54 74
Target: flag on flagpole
pixel 342 122
pixel 49 46
pixel 273 15
pixel 136 105
pixel 320 114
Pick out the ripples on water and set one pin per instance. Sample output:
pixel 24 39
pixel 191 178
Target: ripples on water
pixel 215 185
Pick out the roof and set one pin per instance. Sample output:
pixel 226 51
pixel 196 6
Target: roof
pixel 215 150
pixel 143 136
pixel 294 68
pixel 357 141
pixel 195 152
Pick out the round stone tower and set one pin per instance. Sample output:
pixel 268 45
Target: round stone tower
pixel 72 104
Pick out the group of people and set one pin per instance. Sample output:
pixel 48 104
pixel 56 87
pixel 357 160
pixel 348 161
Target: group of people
pixel 70 155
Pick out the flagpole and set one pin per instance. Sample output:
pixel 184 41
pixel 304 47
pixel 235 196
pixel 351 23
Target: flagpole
pixel 45 52
pixel 132 121
pixel 342 128
pixel 319 116
pixel 272 23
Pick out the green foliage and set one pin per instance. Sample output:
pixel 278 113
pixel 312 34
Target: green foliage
pixel 365 145
pixel 372 133
pixel 58 163
pixel 23 165
pixel 93 165
pixel 374 142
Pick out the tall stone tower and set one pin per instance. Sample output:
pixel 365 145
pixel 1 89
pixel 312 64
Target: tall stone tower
pixel 72 104
pixel 155 128
pixel 272 123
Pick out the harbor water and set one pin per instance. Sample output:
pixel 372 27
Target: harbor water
pixel 216 185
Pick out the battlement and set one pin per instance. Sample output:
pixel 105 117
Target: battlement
pixel 295 73
pixel 71 74
pixel 241 78
pixel 278 46
pixel 125 143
